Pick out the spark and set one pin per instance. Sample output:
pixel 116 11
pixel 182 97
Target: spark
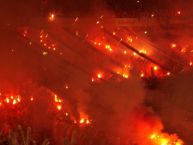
pixel 183 50
pixel 67 114
pixel 168 73
pixel 14 102
pixel 75 122
pixel 56 99
pixel 173 45
pixel 143 51
pixel 134 54
pixel 125 76
pixel 87 121
pixel 66 87
pixel 44 53
pixel 59 107
pixel 51 17
pixel 99 75
pixel 25 33
pixel 19 99
pixel 82 120
pixel 99 44
pixel 92 79
pixel 76 19
pixel 155 68
pixel 95 43
pixel 130 39
pixel 125 52
pixel 190 63
pixel 7 100
pixel 127 66
pixel 179 12
pixel 45 44
pixel 31 99
pixel 142 75
pixel 152 15
pixel 108 47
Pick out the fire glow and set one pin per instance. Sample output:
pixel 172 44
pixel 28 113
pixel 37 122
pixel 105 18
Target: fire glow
pixel 165 139
pixel 150 130
pixel 9 99
pixel 137 57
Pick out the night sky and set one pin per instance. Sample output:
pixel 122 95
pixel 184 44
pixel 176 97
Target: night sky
pixel 121 8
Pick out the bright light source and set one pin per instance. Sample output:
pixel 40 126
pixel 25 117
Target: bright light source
pixel 142 75
pixel 100 75
pixel 179 12
pixel 155 68
pixel 191 63
pixel 59 107
pixel 173 45
pixel 51 17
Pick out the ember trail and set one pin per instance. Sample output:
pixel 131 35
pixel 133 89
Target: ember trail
pixel 99 72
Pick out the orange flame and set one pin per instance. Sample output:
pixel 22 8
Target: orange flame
pixel 165 139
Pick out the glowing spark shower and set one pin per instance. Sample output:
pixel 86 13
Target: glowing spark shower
pixel 83 72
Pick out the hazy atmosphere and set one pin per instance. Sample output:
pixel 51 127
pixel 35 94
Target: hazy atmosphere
pixel 96 72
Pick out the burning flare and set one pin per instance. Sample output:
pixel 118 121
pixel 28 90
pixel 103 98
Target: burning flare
pixel 165 139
